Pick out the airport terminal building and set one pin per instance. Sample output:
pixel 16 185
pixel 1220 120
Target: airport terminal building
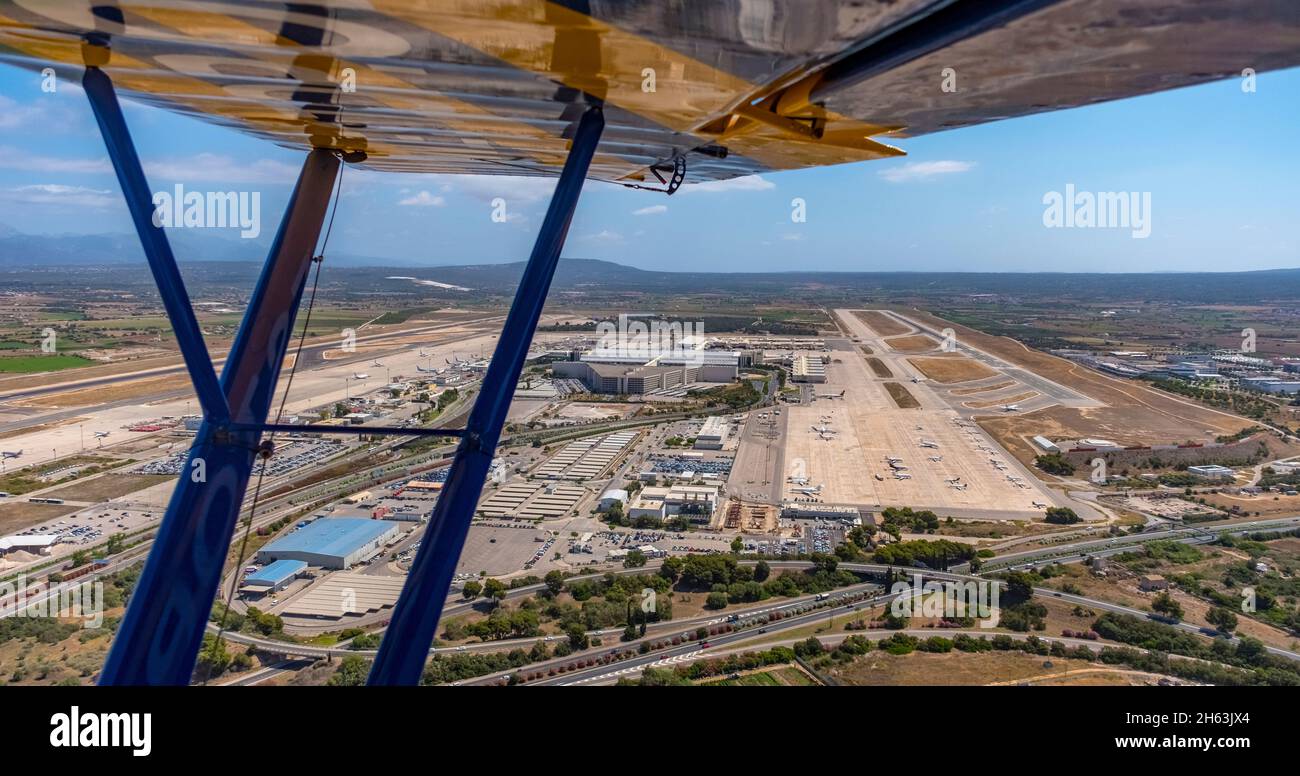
pixel 332 543
pixel 640 371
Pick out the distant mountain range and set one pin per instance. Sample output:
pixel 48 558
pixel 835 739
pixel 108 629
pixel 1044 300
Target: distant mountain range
pixel 590 275
pixel 18 250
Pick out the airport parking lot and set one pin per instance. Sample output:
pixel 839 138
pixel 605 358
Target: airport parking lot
pixel 497 548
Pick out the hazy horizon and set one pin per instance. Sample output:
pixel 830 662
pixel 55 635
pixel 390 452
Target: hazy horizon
pixel 973 199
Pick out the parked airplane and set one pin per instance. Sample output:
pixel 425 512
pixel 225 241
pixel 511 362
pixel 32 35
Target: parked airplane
pixel 808 491
pixel 902 476
pixel 1039 505
pixel 936 458
pixel 11 453
pixel 928 443
pixel 798 480
pixel 839 395
pixel 1010 407
pixel 376 362
pixel 430 370
pixel 359 375
pixel 102 434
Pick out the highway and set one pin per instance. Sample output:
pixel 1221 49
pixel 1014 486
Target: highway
pixel 691 650
pixel 666 630
pixel 1192 534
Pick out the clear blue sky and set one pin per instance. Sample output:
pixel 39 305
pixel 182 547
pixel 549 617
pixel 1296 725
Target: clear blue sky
pixel 1222 166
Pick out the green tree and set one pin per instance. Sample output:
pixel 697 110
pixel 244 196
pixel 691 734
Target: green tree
pixel 762 571
pixel 352 672
pixel 1166 605
pixel 737 545
pixel 1062 516
pixel 471 590
pixel 577 636
pixel 555 582
pixel 213 658
pixel 494 589
pixel 1222 618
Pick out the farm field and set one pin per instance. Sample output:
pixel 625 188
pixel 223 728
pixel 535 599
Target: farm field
pixel 43 363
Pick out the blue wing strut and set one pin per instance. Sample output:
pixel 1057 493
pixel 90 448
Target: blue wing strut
pixel 159 638
pixel 415 618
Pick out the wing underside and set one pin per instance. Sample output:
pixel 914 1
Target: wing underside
pixel 729 87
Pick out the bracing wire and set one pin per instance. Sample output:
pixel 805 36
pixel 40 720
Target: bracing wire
pixel 264 452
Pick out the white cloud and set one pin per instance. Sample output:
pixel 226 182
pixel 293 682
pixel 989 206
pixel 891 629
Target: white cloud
pixel 747 183
pixel 921 171
pixel 14 115
pixel 514 189
pixel 205 167
pixel 58 194
pixel 221 169
pixel 651 210
pixel 424 199
pixel 603 236
pixel 14 159
pixel 47 113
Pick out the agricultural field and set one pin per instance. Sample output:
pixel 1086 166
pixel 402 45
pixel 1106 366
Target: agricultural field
pixel 788 676
pixel 17 515
pixel 878 668
pixel 53 362
pixel 108 486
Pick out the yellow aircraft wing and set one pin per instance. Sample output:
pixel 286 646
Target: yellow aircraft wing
pixel 721 88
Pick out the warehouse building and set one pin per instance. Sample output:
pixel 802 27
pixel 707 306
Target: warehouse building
pixel 1270 384
pixel 713 435
pixel 34 543
pixel 697 502
pixel 273 578
pixel 332 543
pixel 611 497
